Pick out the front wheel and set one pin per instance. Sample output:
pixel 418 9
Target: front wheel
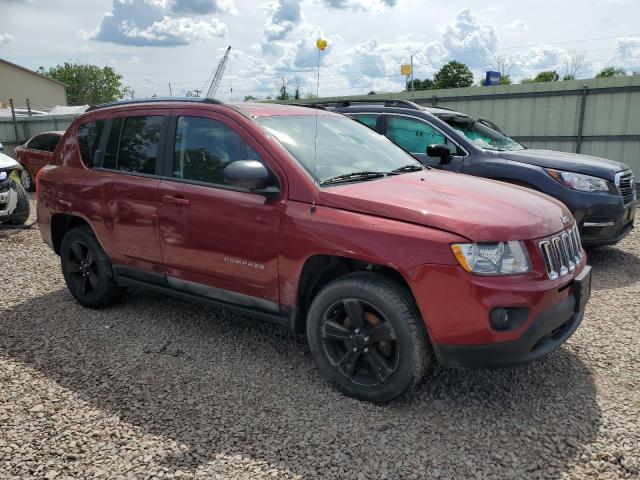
pixel 367 338
pixel 27 181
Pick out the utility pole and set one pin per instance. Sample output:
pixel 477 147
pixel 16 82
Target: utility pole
pixel 29 107
pixel 412 84
pixel 170 94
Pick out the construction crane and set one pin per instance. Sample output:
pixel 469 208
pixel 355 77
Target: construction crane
pixel 217 77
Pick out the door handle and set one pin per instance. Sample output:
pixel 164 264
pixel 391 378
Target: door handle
pixel 176 200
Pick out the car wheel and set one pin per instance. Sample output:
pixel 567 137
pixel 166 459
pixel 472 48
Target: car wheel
pixel 87 269
pixel 27 180
pixel 21 213
pixel 367 338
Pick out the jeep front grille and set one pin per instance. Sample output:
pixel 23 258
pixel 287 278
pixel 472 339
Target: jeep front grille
pixel 625 183
pixel 562 253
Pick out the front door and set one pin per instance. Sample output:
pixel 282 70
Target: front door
pixel 415 135
pixel 218 241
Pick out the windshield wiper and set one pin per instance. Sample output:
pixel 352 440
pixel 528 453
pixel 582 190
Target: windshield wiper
pixel 347 177
pixel 406 168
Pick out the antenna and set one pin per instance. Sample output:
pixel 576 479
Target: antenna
pixel 321 44
pixel 217 77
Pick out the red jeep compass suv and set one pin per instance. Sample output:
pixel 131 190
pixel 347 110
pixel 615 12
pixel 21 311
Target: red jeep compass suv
pixel 312 220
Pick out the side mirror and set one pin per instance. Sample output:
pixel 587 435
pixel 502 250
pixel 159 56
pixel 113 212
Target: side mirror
pixel 250 174
pixel 439 150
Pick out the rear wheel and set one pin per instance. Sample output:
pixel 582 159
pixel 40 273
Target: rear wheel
pixel 367 338
pixel 27 180
pixel 87 269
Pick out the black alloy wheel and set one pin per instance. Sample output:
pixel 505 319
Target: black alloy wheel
pixel 82 269
pixel 360 342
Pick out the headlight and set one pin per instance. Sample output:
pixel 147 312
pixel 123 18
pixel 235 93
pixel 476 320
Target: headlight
pixel 578 181
pixel 3 175
pixel 502 258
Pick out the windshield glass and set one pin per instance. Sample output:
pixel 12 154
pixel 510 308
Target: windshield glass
pixel 345 146
pixel 481 135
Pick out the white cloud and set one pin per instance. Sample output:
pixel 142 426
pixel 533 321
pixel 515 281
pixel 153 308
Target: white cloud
pixel 203 7
pixel 627 53
pixel 151 23
pixel 369 5
pixel 470 41
pixel 517 24
pixel 135 60
pixel 5 38
pixel 282 17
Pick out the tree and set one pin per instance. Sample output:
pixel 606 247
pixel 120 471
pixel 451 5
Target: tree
pixel 88 84
pixel 574 65
pixel 608 72
pixel 452 75
pixel 249 98
pixel 426 84
pixel 547 76
pixel 504 80
pixel 283 95
pixel 503 65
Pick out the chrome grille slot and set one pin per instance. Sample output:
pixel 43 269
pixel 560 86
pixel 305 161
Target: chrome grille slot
pixel 562 253
pixel 625 183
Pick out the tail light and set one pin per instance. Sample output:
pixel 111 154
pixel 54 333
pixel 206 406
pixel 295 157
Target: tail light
pixel 38 184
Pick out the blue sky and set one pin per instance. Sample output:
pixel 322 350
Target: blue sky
pixel 154 42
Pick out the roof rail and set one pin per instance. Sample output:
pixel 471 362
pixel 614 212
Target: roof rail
pixel 387 103
pixel 155 100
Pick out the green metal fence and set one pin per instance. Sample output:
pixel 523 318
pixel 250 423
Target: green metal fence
pixel 598 117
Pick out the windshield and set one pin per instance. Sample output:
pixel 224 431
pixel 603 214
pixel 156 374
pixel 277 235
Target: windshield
pixel 345 147
pixel 479 134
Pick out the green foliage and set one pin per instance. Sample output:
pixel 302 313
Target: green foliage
pixel 426 84
pixel 504 80
pixel 296 95
pixel 609 72
pixel 546 76
pixel 249 98
pixel 88 84
pixel 568 77
pixel 453 75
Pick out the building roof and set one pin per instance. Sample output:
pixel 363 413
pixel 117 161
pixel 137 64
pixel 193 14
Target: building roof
pixel 2 60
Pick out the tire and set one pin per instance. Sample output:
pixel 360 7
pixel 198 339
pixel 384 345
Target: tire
pixel 27 180
pixel 346 352
pixel 87 269
pixel 21 213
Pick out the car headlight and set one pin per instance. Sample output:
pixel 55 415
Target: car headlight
pixel 501 258
pixel 579 181
pixel 3 175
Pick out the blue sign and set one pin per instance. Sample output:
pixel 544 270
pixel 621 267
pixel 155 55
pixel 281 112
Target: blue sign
pixel 492 78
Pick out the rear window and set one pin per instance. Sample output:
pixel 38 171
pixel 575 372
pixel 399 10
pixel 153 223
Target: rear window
pixel 39 142
pixel 133 144
pixel 88 140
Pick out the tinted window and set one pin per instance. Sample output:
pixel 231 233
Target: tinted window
pixel 89 140
pixel 39 142
pixel 52 142
pixel 413 135
pixel 368 120
pixel 204 147
pixel 133 144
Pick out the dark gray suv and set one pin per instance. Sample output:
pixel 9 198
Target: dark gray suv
pixel 599 192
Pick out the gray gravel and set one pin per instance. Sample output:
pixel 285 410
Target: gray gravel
pixel 159 388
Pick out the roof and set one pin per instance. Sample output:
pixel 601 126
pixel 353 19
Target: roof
pixel 2 60
pixel 442 111
pixel 276 109
pixel 145 101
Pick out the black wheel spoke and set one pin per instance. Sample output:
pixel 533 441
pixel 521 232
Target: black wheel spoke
pixel 93 280
pixel 76 249
pixel 90 258
pixel 348 362
pixel 73 267
pixel 354 312
pixel 334 331
pixel 382 333
pixel 378 364
pixel 84 284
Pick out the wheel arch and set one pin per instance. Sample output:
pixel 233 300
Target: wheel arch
pixel 61 223
pixel 320 270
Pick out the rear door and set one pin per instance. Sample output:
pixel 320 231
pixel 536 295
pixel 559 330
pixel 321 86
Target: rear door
pixel 125 179
pixel 38 153
pixel 415 134
pixel 217 240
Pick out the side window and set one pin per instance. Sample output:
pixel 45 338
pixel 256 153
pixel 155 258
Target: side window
pixel 368 119
pixel 204 147
pixel 88 140
pixel 52 142
pixel 412 135
pixel 39 142
pixel 133 144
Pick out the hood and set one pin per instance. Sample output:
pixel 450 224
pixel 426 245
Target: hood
pixel 572 162
pixel 478 209
pixel 6 162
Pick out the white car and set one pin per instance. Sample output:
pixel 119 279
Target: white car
pixel 14 203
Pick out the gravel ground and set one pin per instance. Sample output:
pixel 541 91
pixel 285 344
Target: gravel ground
pixel 159 388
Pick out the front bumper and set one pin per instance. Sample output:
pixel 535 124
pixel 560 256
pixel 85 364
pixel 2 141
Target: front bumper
pixel 551 328
pixel 8 201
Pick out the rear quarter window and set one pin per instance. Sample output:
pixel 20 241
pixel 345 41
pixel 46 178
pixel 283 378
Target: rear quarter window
pixel 89 139
pixel 39 142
